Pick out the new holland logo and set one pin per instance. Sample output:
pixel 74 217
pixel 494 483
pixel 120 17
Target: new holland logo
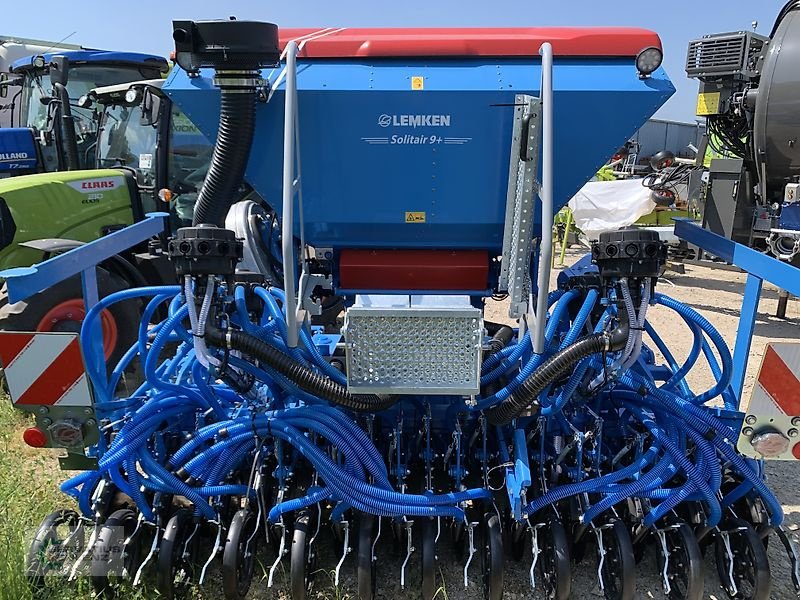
pixel 414 120
pixel 6 156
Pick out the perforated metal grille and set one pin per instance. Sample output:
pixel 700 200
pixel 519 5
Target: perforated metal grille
pixel 409 351
pixel 522 188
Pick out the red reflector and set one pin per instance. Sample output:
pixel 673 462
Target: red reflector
pixel 34 437
pixel 424 270
pixel 796 451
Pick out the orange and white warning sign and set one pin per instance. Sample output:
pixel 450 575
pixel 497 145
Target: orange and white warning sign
pixel 777 388
pixel 44 369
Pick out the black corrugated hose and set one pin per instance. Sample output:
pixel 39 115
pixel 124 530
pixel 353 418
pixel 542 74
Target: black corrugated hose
pixel 237 121
pixel 502 335
pixel 306 379
pixel 554 368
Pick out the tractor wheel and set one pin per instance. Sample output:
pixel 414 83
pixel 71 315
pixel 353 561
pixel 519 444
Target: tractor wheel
pixel 60 309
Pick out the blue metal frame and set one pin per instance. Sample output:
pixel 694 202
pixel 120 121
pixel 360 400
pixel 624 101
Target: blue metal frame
pixel 24 282
pixel 759 267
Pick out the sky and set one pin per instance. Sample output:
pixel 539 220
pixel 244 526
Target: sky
pixel 145 25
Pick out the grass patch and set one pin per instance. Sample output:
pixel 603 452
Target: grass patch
pixel 29 481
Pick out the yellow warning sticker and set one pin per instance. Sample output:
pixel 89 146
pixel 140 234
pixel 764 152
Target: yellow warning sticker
pixel 708 104
pixel 417 82
pixel 415 217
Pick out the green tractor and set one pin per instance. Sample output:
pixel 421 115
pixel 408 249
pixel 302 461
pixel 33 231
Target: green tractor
pixel 149 157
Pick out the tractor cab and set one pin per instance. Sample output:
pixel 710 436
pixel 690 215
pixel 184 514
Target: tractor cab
pixel 50 130
pixel 141 130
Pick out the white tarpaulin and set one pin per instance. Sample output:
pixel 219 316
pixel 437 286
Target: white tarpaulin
pixel 609 205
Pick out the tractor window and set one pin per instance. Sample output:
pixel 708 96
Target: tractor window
pixel 125 140
pixel 189 158
pixel 82 79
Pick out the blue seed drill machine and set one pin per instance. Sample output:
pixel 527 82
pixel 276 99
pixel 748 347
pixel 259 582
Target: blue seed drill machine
pixel 325 369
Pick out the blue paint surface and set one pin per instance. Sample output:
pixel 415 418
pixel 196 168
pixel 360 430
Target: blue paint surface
pixel 17 150
pixel 96 56
pixel 365 164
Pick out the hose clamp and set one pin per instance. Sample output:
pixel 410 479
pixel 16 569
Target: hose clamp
pixel 241 83
pixel 228 339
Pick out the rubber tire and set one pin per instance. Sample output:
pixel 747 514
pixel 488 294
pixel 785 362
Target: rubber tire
pixel 519 539
pixel 763 580
pixel 236 572
pixel 298 569
pixel 26 315
pixel 428 560
pixel 458 537
pixel 556 569
pixel 178 528
pixel 627 562
pixel 492 557
pixel 366 571
pixel 113 533
pixel 683 536
pixel 35 572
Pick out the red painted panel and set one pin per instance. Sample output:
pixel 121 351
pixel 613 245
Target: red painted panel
pixel 414 270
pixel 466 42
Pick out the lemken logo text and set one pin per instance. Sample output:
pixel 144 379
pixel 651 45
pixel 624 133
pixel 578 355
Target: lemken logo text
pixel 414 120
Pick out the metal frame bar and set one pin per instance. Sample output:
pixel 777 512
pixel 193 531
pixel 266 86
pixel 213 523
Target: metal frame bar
pixel 290 186
pixel 546 196
pixel 24 282
pixel 759 268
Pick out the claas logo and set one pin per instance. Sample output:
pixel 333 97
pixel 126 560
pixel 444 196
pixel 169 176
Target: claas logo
pixel 98 185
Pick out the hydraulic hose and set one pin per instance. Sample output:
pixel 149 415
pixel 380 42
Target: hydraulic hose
pixel 554 368
pixel 305 378
pixel 237 121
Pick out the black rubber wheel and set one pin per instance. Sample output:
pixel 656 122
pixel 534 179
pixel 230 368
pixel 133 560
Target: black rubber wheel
pixel 366 570
pixel 492 557
pixel 58 542
pixel 428 559
pixel 750 564
pixel 519 538
pixel 458 537
pixel 685 568
pixel 176 566
pixel 302 558
pixel 556 572
pixel 239 556
pixel 618 571
pixel 112 561
pixel 32 314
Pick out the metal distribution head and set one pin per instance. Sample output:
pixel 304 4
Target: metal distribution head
pixel 227 44
pixel 405 134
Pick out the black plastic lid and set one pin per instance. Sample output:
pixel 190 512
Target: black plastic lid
pixel 233 45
